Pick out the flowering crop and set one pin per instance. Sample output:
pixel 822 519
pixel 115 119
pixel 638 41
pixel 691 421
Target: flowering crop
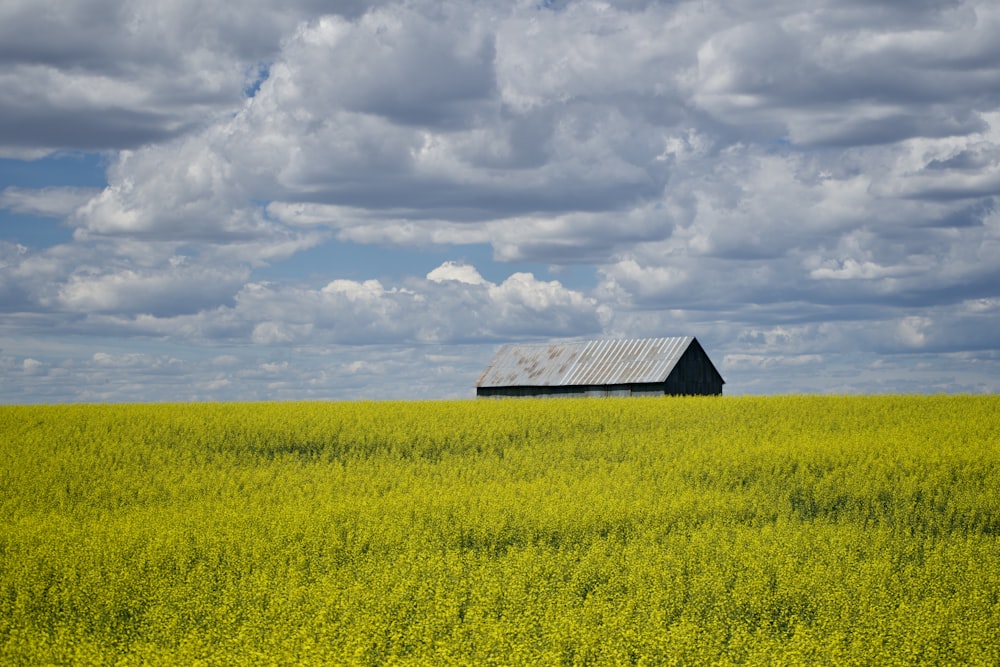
pixel 781 530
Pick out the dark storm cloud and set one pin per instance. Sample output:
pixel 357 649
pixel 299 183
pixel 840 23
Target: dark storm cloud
pixel 105 74
pixel 74 129
pixel 858 76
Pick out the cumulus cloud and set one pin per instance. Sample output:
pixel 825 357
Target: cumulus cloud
pixel 453 304
pixel 834 75
pixel 813 179
pixel 50 202
pixel 127 278
pixel 159 291
pixel 102 74
pixel 463 273
pixel 589 150
pixel 417 125
pixel 32 366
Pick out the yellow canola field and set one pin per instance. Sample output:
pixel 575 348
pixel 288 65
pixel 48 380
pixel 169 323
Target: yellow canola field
pixel 676 531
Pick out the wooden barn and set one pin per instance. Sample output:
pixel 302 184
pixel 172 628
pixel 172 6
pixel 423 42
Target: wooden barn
pixel 621 367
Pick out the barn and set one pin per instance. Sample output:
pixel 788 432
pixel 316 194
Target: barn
pixel 617 367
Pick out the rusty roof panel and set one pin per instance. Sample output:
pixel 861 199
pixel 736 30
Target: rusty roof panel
pixel 597 362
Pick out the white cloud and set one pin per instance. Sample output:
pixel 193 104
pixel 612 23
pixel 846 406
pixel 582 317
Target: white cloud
pixel 822 180
pixel 757 361
pixel 462 273
pixel 851 269
pixel 274 367
pixel 911 330
pixel 32 366
pixel 453 304
pixel 53 202
pixel 268 333
pixel 568 161
pixel 101 74
pixel 173 290
pixel 837 76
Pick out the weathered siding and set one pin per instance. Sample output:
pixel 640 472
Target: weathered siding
pixel 569 391
pixel 651 389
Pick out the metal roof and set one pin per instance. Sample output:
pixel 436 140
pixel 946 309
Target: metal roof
pixel 596 362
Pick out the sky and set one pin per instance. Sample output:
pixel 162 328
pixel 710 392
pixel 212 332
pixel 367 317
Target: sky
pixel 306 199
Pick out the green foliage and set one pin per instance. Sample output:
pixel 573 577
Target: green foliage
pixel 685 531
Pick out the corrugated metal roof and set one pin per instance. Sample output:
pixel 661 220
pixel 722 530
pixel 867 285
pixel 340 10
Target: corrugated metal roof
pixel 596 362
